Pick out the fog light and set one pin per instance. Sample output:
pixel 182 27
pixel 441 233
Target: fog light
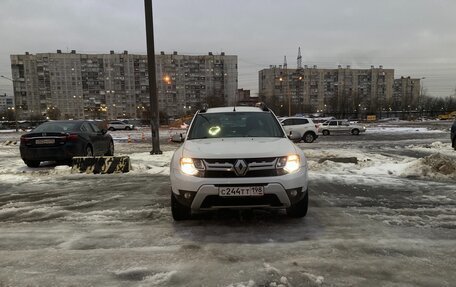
pixel 187 195
pixel 293 193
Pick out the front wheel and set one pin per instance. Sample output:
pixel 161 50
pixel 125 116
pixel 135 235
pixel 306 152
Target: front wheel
pixel 326 133
pixel 299 209
pixel 178 210
pixel 111 129
pixel 308 137
pixel 355 132
pixel 127 128
pixel 32 163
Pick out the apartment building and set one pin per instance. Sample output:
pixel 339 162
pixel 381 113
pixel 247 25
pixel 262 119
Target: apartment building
pixel 339 91
pixel 116 85
pixel 406 93
pixel 6 102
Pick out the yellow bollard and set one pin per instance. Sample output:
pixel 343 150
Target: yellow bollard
pixel 129 139
pixel 143 138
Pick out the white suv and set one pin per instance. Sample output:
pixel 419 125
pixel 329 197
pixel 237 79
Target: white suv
pixel 238 157
pixel 119 125
pixel 304 126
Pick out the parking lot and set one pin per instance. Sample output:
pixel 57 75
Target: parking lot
pixel 388 220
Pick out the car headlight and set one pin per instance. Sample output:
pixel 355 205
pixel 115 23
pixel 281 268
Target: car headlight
pixel 289 163
pixel 191 166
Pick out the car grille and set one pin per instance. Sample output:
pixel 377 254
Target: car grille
pixel 215 200
pixel 251 167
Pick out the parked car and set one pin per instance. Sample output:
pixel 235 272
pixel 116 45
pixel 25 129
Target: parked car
pixel 305 126
pixel 447 116
pixel 340 126
pixel 238 158
pixel 119 125
pixel 62 140
pixel 453 135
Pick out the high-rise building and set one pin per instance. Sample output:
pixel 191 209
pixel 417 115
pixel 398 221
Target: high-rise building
pixel 109 86
pixel 406 94
pixel 6 102
pixel 341 91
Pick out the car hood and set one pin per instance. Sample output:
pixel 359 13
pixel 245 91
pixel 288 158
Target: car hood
pixel 238 148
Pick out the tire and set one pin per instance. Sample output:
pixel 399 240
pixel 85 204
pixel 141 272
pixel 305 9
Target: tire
pixel 110 151
pixel 355 132
pixel 325 133
pixel 300 208
pixel 179 211
pixel 88 151
pixel 308 137
pixel 111 129
pixel 32 163
pixel 127 128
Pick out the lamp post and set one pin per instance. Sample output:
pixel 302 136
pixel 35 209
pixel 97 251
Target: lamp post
pixel 154 121
pixel 15 103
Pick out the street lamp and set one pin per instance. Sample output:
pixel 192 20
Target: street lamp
pixel 15 102
pixel 167 79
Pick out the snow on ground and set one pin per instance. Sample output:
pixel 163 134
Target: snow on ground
pixel 13 169
pixel 435 147
pixel 369 224
pixel 402 130
pixel 438 166
pixel 153 164
pixel 142 134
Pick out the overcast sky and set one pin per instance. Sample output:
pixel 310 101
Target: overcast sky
pixel 417 38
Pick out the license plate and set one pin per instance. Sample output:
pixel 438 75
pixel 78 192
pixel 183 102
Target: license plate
pixel 241 191
pixel 45 141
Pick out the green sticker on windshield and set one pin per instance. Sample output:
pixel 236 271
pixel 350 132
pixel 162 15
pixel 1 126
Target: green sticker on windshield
pixel 213 131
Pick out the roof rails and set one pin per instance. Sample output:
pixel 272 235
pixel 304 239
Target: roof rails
pixel 262 106
pixel 204 108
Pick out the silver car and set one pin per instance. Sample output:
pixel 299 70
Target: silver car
pixel 340 126
pixel 119 125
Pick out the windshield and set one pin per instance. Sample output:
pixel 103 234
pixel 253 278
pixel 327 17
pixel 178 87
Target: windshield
pixel 55 127
pixel 235 124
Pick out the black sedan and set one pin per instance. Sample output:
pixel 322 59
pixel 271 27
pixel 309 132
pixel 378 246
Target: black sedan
pixel 60 141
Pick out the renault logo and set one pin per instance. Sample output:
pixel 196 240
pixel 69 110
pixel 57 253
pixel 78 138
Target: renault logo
pixel 240 167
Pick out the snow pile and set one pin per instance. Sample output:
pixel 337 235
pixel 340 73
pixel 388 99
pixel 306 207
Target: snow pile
pixel 435 147
pixel 153 164
pixel 435 166
pixel 159 279
pixel 401 130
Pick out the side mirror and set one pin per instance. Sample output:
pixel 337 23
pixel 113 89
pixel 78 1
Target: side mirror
pixel 294 136
pixel 177 138
pixel 104 131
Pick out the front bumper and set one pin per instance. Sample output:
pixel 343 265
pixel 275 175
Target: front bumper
pixel 203 193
